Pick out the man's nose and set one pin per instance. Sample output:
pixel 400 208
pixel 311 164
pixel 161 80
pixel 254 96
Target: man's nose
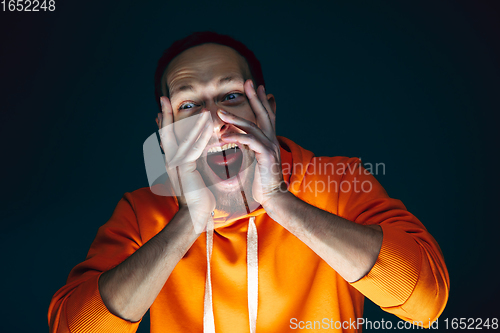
pixel 219 125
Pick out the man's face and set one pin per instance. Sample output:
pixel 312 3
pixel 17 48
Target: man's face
pixel 205 78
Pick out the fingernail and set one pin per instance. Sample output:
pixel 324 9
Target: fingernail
pixel 251 83
pixel 222 111
pixel 161 102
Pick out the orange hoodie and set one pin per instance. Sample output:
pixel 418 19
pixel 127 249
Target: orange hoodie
pixel 296 288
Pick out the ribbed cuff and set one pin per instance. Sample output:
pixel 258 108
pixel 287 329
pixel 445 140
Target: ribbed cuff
pixel 394 276
pixel 87 312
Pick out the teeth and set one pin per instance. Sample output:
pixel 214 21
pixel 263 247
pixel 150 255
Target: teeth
pixel 222 148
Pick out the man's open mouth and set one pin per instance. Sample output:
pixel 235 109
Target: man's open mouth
pixel 226 162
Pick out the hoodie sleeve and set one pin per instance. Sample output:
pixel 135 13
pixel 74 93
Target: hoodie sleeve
pixel 409 278
pixel 78 306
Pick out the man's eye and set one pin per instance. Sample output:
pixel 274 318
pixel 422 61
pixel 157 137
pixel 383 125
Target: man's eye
pixel 187 105
pixel 231 96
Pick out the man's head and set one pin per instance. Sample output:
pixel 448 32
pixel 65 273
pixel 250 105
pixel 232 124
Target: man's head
pixel 199 38
pixel 209 76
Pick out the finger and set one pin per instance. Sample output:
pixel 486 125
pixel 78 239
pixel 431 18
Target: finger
pixel 263 152
pixel 261 92
pixel 168 139
pixel 166 110
pixel 199 146
pixel 261 113
pixel 169 142
pixel 246 125
pixel 191 137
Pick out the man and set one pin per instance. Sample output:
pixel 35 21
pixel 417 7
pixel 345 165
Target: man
pixel 318 253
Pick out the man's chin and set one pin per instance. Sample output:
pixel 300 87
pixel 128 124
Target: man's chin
pixel 234 195
pixel 230 185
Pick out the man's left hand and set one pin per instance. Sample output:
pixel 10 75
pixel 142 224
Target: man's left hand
pixel 261 138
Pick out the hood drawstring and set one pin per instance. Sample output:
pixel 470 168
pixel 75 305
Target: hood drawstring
pixel 252 278
pixel 208 310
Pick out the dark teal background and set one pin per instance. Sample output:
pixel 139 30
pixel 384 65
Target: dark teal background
pixel 415 87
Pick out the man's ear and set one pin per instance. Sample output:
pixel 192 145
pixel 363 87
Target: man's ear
pixel 159 127
pixel 272 102
pixel 158 122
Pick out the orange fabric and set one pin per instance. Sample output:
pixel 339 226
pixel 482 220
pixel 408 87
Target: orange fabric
pixel 409 279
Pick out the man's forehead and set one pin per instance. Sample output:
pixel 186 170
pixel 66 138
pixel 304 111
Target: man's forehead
pixel 205 64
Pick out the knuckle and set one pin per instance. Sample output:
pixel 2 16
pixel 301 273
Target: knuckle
pixel 197 147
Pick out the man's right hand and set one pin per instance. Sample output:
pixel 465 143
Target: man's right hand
pixel 192 193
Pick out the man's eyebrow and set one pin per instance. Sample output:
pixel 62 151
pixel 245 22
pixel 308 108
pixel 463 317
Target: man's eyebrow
pixel 228 79
pixel 181 88
pixel 225 80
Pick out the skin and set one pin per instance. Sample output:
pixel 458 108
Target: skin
pixel 216 80
pixel 129 289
